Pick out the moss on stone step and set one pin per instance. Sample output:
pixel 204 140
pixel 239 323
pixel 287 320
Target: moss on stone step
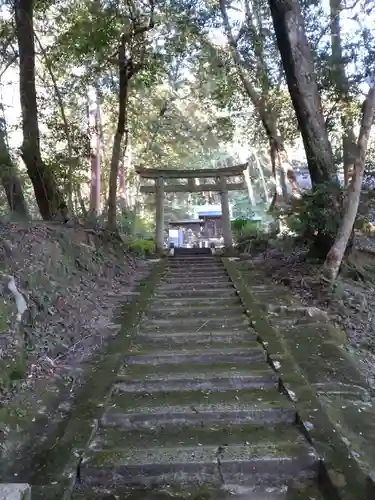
pixel 269 397
pixel 108 439
pixel 210 369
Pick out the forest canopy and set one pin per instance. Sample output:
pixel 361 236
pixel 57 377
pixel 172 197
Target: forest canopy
pixel 99 87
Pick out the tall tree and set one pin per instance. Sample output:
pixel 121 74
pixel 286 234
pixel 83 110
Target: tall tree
pixel 299 70
pixel 342 90
pixel 131 57
pixel 298 64
pixel 10 179
pixel 48 196
pixel 337 251
pixel 259 94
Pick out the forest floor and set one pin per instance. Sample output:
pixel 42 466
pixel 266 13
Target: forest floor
pixel 350 303
pixel 73 280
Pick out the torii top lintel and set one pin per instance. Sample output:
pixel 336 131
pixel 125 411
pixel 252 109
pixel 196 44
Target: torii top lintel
pixel 168 173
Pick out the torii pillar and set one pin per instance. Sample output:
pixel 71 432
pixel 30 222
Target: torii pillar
pixel 159 214
pixel 225 214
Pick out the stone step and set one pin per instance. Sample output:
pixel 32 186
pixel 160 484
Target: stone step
pixel 208 424
pixel 212 356
pixel 196 266
pixel 169 302
pixel 275 489
pixel 194 258
pixel 213 286
pixel 213 368
pixel 200 381
pixel 189 339
pixel 199 492
pixel 199 323
pixel 195 263
pixel 193 252
pixel 171 291
pixel 171 279
pixel 195 271
pixel 250 464
pixel 203 273
pixel 212 311
pixel 255 397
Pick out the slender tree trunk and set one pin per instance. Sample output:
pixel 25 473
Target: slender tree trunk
pixel 81 201
pixel 95 158
pixel 48 196
pixel 336 253
pixel 261 173
pixel 60 103
pixel 9 178
pixel 117 141
pixel 282 170
pixel 249 186
pixel 299 69
pixel 342 89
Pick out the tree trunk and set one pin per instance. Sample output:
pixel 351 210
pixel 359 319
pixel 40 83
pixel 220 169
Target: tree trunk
pixel 48 196
pixel 261 173
pixel 60 103
pixel 299 69
pixel 9 178
pixel 249 186
pixel 336 253
pixel 342 89
pixel 267 118
pixel 121 128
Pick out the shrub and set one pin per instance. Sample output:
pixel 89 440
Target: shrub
pixel 244 228
pixel 142 247
pixel 248 234
pixel 317 212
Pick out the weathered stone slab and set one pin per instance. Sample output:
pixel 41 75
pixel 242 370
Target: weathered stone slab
pixel 193 302
pixel 202 382
pixel 210 368
pixel 202 420
pixel 311 379
pixel 173 357
pixel 199 323
pixel 215 291
pixel 197 463
pixel 192 339
pixel 355 422
pixel 196 277
pixel 194 281
pixel 16 491
pixel 204 284
pixel 147 401
pixel 155 312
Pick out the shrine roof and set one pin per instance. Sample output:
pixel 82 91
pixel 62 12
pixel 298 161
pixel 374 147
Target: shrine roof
pixel 185 222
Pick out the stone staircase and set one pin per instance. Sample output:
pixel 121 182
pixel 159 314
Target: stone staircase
pixel 196 410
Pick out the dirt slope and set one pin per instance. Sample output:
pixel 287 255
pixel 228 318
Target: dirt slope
pixel 72 280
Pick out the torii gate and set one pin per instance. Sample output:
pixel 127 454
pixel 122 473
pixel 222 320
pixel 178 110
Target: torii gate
pixel 222 176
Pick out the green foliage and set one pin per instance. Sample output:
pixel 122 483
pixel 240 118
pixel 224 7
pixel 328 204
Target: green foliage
pixel 129 223
pixel 246 232
pixel 317 212
pixel 17 370
pixel 142 247
pixel 245 228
